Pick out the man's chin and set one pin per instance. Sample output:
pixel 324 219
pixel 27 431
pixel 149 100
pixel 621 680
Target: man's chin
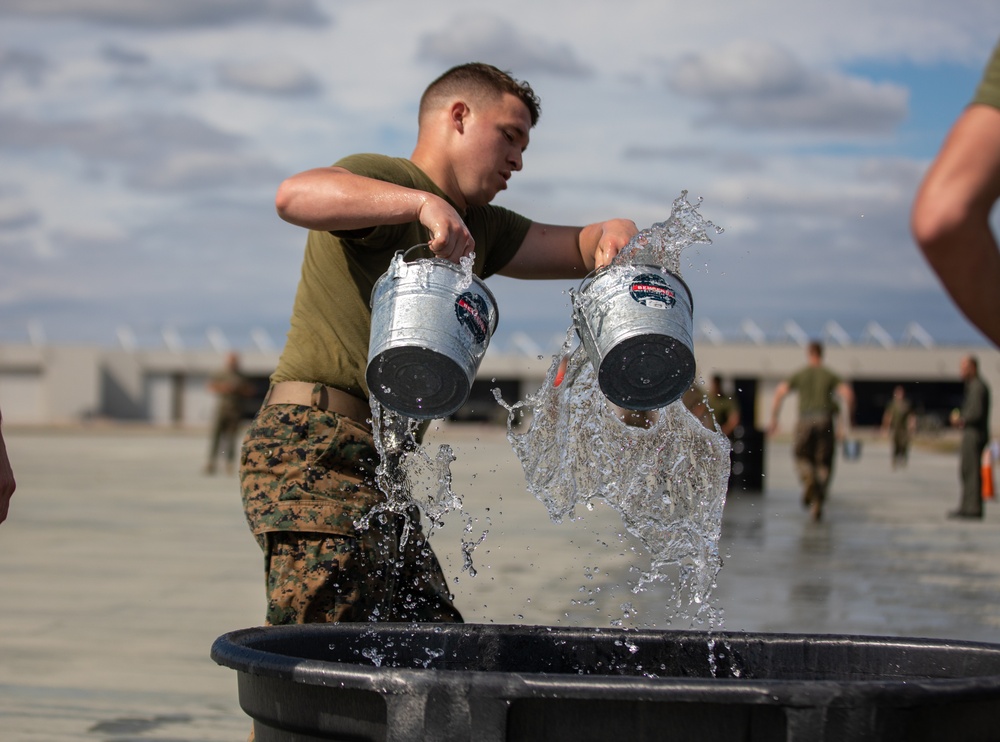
pixel 482 200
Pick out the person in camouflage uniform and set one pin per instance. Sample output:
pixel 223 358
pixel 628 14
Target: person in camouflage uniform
pixel 232 387
pixel 338 571
pixel 725 408
pixel 815 435
pixel 974 421
pixel 309 460
pixel 898 423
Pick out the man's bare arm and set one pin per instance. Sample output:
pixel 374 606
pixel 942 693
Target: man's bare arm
pixel 331 199
pixel 950 219
pixel 550 251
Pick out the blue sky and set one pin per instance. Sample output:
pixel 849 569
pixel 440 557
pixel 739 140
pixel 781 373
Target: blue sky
pixel 141 143
pixel 937 92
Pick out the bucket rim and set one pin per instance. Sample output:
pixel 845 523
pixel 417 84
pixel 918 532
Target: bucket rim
pixel 480 282
pixel 240 651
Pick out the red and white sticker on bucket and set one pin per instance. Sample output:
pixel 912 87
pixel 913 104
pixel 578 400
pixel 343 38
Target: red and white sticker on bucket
pixel 652 291
pixel 473 315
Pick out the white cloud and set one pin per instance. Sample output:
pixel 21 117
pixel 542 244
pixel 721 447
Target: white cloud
pixel 762 86
pixel 133 138
pixel 124 56
pixel 485 38
pixel 24 64
pixel 268 76
pixel 746 68
pixel 727 160
pixel 168 14
pixel 146 139
pixel 184 171
pixel 16 215
pixel 155 152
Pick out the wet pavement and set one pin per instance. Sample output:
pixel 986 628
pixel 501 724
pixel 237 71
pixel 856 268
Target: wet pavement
pixel 121 563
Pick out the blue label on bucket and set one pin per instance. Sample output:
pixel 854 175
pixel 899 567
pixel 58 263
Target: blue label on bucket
pixel 473 314
pixel 651 290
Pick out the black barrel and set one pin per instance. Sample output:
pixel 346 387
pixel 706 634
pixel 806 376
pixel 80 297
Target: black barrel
pixel 487 683
pixel 747 474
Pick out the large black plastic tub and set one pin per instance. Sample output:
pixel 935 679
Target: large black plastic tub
pixel 446 683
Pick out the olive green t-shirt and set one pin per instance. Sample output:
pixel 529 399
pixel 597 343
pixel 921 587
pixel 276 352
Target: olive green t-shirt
pixel 815 385
pixel 331 318
pixel 988 92
pixel 899 411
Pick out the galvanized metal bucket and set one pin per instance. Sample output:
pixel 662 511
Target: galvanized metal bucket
pixel 635 322
pixel 430 329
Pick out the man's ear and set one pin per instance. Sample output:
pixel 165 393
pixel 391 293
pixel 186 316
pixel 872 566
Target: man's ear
pixel 458 113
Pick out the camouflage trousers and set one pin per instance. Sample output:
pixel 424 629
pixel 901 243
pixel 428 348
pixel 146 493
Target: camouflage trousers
pixel 813 448
pixel 223 440
pixel 307 478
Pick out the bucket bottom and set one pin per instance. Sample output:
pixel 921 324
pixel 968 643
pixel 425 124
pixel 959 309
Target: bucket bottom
pixel 646 372
pixel 418 382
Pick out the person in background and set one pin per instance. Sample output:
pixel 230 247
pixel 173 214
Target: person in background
pixel 309 461
pixel 815 433
pixel 231 388
pixel 951 212
pixel 725 408
pixel 7 484
pixel 899 423
pixel 973 419
pixel 696 401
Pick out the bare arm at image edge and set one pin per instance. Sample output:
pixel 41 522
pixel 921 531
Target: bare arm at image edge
pixel 6 477
pixel 951 213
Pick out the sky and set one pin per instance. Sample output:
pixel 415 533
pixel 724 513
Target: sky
pixel 142 142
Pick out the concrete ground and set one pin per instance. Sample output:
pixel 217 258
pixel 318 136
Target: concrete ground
pixel 120 563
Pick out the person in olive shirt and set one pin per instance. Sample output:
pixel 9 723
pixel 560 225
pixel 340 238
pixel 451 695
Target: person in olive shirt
pixel 815 436
pixel 309 461
pixel 725 408
pixel 951 212
pixel 974 420
pixel 231 388
pixel 899 422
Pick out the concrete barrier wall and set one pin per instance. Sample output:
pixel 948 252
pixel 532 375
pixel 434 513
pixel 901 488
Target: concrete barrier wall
pixel 57 384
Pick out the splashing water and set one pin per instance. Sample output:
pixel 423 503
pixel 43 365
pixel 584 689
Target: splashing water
pixel 667 481
pixel 662 243
pixel 399 267
pixel 408 474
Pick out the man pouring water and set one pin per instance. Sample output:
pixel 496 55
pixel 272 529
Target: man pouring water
pixel 309 459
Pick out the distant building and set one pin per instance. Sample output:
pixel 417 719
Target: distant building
pixel 52 384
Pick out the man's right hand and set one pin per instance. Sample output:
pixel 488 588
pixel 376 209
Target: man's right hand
pixel 450 238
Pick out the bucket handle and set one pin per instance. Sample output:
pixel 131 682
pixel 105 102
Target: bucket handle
pixel 419 246
pixel 426 246
pixel 589 277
